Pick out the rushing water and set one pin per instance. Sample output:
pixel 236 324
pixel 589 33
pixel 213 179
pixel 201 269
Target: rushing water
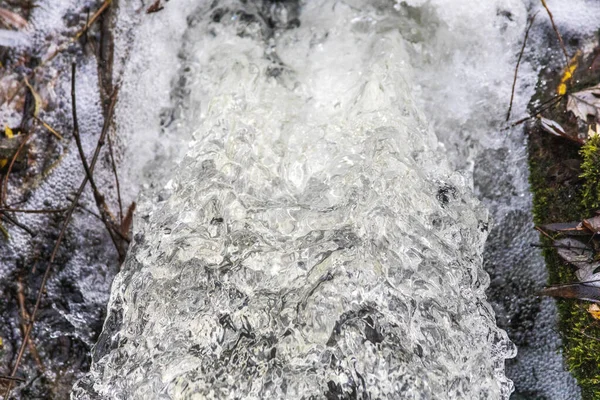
pixel 315 241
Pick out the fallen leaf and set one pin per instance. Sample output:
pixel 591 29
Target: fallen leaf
pixel 593 224
pixel 571 228
pixel 568 74
pixel 594 311
pixel 585 103
pixel 552 127
pixel 575 252
pixel 556 129
pixel 12 19
pixel 155 7
pixel 574 291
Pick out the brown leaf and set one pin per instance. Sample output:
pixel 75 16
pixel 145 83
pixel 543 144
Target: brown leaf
pixel 11 19
pixel 569 228
pixel 579 291
pixel 155 7
pixel 593 224
pixel 585 103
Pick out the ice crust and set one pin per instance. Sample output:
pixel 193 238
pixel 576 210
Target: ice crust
pixel 315 241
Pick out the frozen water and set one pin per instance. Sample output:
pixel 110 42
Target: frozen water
pixel 10 38
pixel 315 240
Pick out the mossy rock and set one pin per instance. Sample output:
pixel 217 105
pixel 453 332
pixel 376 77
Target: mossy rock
pixel 565 182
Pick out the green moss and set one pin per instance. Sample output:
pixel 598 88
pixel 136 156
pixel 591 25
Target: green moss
pixel 560 198
pixel 590 168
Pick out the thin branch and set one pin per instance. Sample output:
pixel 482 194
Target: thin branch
pixel 512 92
pixel 50 129
pixel 114 168
pixel 550 102
pixel 91 21
pixel 560 40
pixel 100 203
pixel 543 232
pixel 18 224
pixel 24 211
pixel 59 241
pixel 93 214
pixel 12 378
pixel 24 320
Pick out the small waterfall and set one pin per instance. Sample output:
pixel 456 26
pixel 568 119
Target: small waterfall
pixel 315 240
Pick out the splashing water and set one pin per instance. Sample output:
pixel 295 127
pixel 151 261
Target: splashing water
pixel 315 242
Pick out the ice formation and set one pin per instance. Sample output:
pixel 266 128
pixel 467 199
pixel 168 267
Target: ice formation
pixel 315 242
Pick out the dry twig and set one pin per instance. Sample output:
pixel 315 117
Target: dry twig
pixel 512 92
pixel 24 320
pixel 98 197
pixel 58 243
pixel 560 40
pixel 24 211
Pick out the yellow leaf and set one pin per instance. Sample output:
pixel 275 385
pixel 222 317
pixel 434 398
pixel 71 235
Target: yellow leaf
pixel 562 89
pixel 594 310
pixel 37 98
pixel 9 134
pixel 568 74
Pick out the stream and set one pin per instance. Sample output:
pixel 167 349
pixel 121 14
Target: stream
pixel 328 174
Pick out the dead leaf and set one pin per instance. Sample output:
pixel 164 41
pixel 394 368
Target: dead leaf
pixel 593 224
pixel 155 7
pixel 570 228
pixel 579 291
pixel 556 129
pixel 12 19
pixel 575 252
pixel 594 311
pixel 585 103
pixel 552 127
pixel 568 74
